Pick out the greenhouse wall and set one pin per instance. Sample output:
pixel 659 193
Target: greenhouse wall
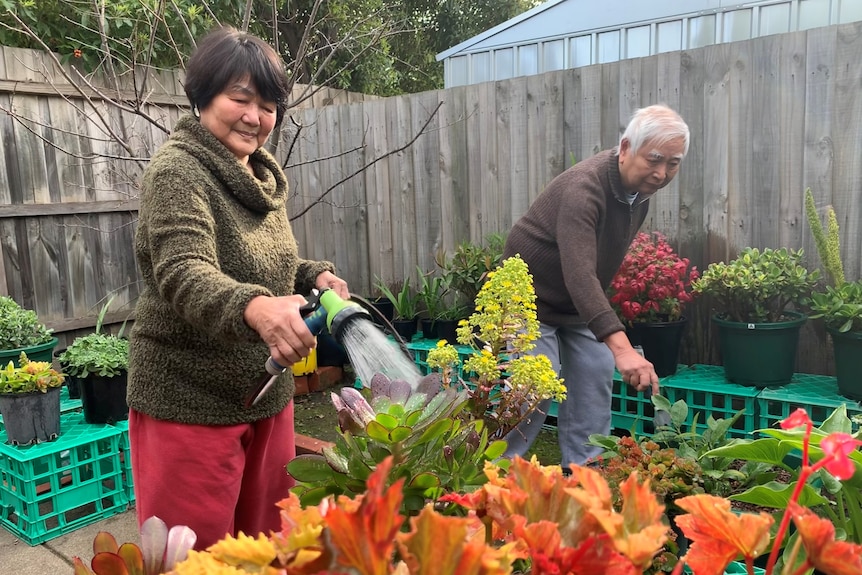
pixel 562 34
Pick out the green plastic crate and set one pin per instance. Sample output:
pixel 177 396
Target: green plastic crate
pixel 703 388
pixel 419 349
pixel 817 394
pixel 67 404
pixel 50 489
pixel 126 461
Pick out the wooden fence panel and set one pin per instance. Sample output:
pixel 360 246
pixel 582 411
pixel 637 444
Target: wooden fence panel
pixel 768 118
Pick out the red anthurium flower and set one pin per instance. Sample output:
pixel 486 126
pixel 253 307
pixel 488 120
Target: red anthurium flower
pixel 719 535
pixel 837 447
pixel 823 552
pixel 798 418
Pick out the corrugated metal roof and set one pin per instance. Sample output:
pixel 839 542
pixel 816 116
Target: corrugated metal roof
pixel 564 17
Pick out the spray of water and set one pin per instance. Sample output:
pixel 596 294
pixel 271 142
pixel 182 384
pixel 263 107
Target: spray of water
pixel 370 352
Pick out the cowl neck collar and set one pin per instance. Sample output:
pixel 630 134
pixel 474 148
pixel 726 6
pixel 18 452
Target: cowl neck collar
pixel 264 191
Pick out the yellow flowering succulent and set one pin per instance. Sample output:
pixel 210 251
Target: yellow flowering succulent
pixel 508 383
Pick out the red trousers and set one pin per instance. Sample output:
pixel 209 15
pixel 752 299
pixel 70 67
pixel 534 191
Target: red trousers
pixel 214 479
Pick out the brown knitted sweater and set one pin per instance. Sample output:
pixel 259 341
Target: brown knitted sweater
pixel 574 238
pixel 210 238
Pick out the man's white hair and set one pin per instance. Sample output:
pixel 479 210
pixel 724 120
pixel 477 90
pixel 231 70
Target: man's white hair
pixel 657 125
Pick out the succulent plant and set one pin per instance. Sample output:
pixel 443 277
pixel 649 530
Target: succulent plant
pixel 432 448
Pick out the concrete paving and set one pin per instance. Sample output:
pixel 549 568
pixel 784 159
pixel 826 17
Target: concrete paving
pixel 54 557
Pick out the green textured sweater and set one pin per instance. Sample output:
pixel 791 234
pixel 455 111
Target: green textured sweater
pixel 573 238
pixel 210 238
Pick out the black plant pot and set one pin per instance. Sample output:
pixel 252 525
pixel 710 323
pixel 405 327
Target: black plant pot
pixel 385 308
pixel 446 329
pixel 429 328
pixel 31 417
pixel 104 398
pixel 660 342
pixel 406 328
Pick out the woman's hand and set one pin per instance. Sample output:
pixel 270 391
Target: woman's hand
pixel 280 325
pixel 331 281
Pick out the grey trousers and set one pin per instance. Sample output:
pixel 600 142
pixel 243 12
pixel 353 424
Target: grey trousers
pixel 587 366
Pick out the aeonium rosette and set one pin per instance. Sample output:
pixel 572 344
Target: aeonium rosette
pixel 653 282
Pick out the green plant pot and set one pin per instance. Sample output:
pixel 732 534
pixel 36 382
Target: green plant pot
pixel 759 354
pixel 42 352
pixel 31 417
pixel 848 362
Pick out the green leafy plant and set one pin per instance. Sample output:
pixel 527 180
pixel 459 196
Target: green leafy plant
pixel 840 304
pixel 720 477
pixel 840 307
pixel 510 382
pixel 405 302
pixel 433 450
pixel 812 484
pixel 431 293
pixel 20 327
pixel 100 354
pixel 759 285
pixel 29 376
pixel 467 269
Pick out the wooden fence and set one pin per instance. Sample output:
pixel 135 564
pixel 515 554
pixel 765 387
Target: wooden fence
pixel 769 117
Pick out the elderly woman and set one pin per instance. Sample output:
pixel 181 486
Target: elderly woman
pixel 223 284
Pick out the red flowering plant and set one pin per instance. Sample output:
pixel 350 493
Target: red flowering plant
pixel 653 282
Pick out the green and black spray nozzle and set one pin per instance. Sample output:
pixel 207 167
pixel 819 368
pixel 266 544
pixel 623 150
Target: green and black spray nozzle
pixel 324 309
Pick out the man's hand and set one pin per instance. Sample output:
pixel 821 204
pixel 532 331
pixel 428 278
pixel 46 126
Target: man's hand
pixel 634 368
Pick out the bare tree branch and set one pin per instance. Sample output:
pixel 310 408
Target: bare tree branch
pixel 368 165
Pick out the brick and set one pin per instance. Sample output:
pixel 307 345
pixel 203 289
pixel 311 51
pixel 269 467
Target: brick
pixel 309 445
pixel 327 376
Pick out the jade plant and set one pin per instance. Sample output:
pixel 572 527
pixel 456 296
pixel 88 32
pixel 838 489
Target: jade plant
pixel 29 376
pixel 510 382
pixel 20 327
pixel 759 286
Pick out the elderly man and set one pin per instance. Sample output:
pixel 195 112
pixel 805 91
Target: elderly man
pixel 574 238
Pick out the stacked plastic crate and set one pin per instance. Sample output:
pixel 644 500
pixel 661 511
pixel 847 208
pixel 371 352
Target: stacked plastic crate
pixel 49 489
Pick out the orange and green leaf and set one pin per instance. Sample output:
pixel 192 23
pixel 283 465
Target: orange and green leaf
pixel 823 552
pixel 365 534
pixel 718 534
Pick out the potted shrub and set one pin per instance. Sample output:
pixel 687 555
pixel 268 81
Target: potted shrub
pixel 431 294
pixel 30 401
pixel 405 304
pixel 21 331
pixel 648 293
pixel 840 304
pixel 753 296
pixel 100 361
pixel 465 272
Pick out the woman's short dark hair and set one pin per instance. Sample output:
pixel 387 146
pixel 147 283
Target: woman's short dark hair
pixel 226 55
